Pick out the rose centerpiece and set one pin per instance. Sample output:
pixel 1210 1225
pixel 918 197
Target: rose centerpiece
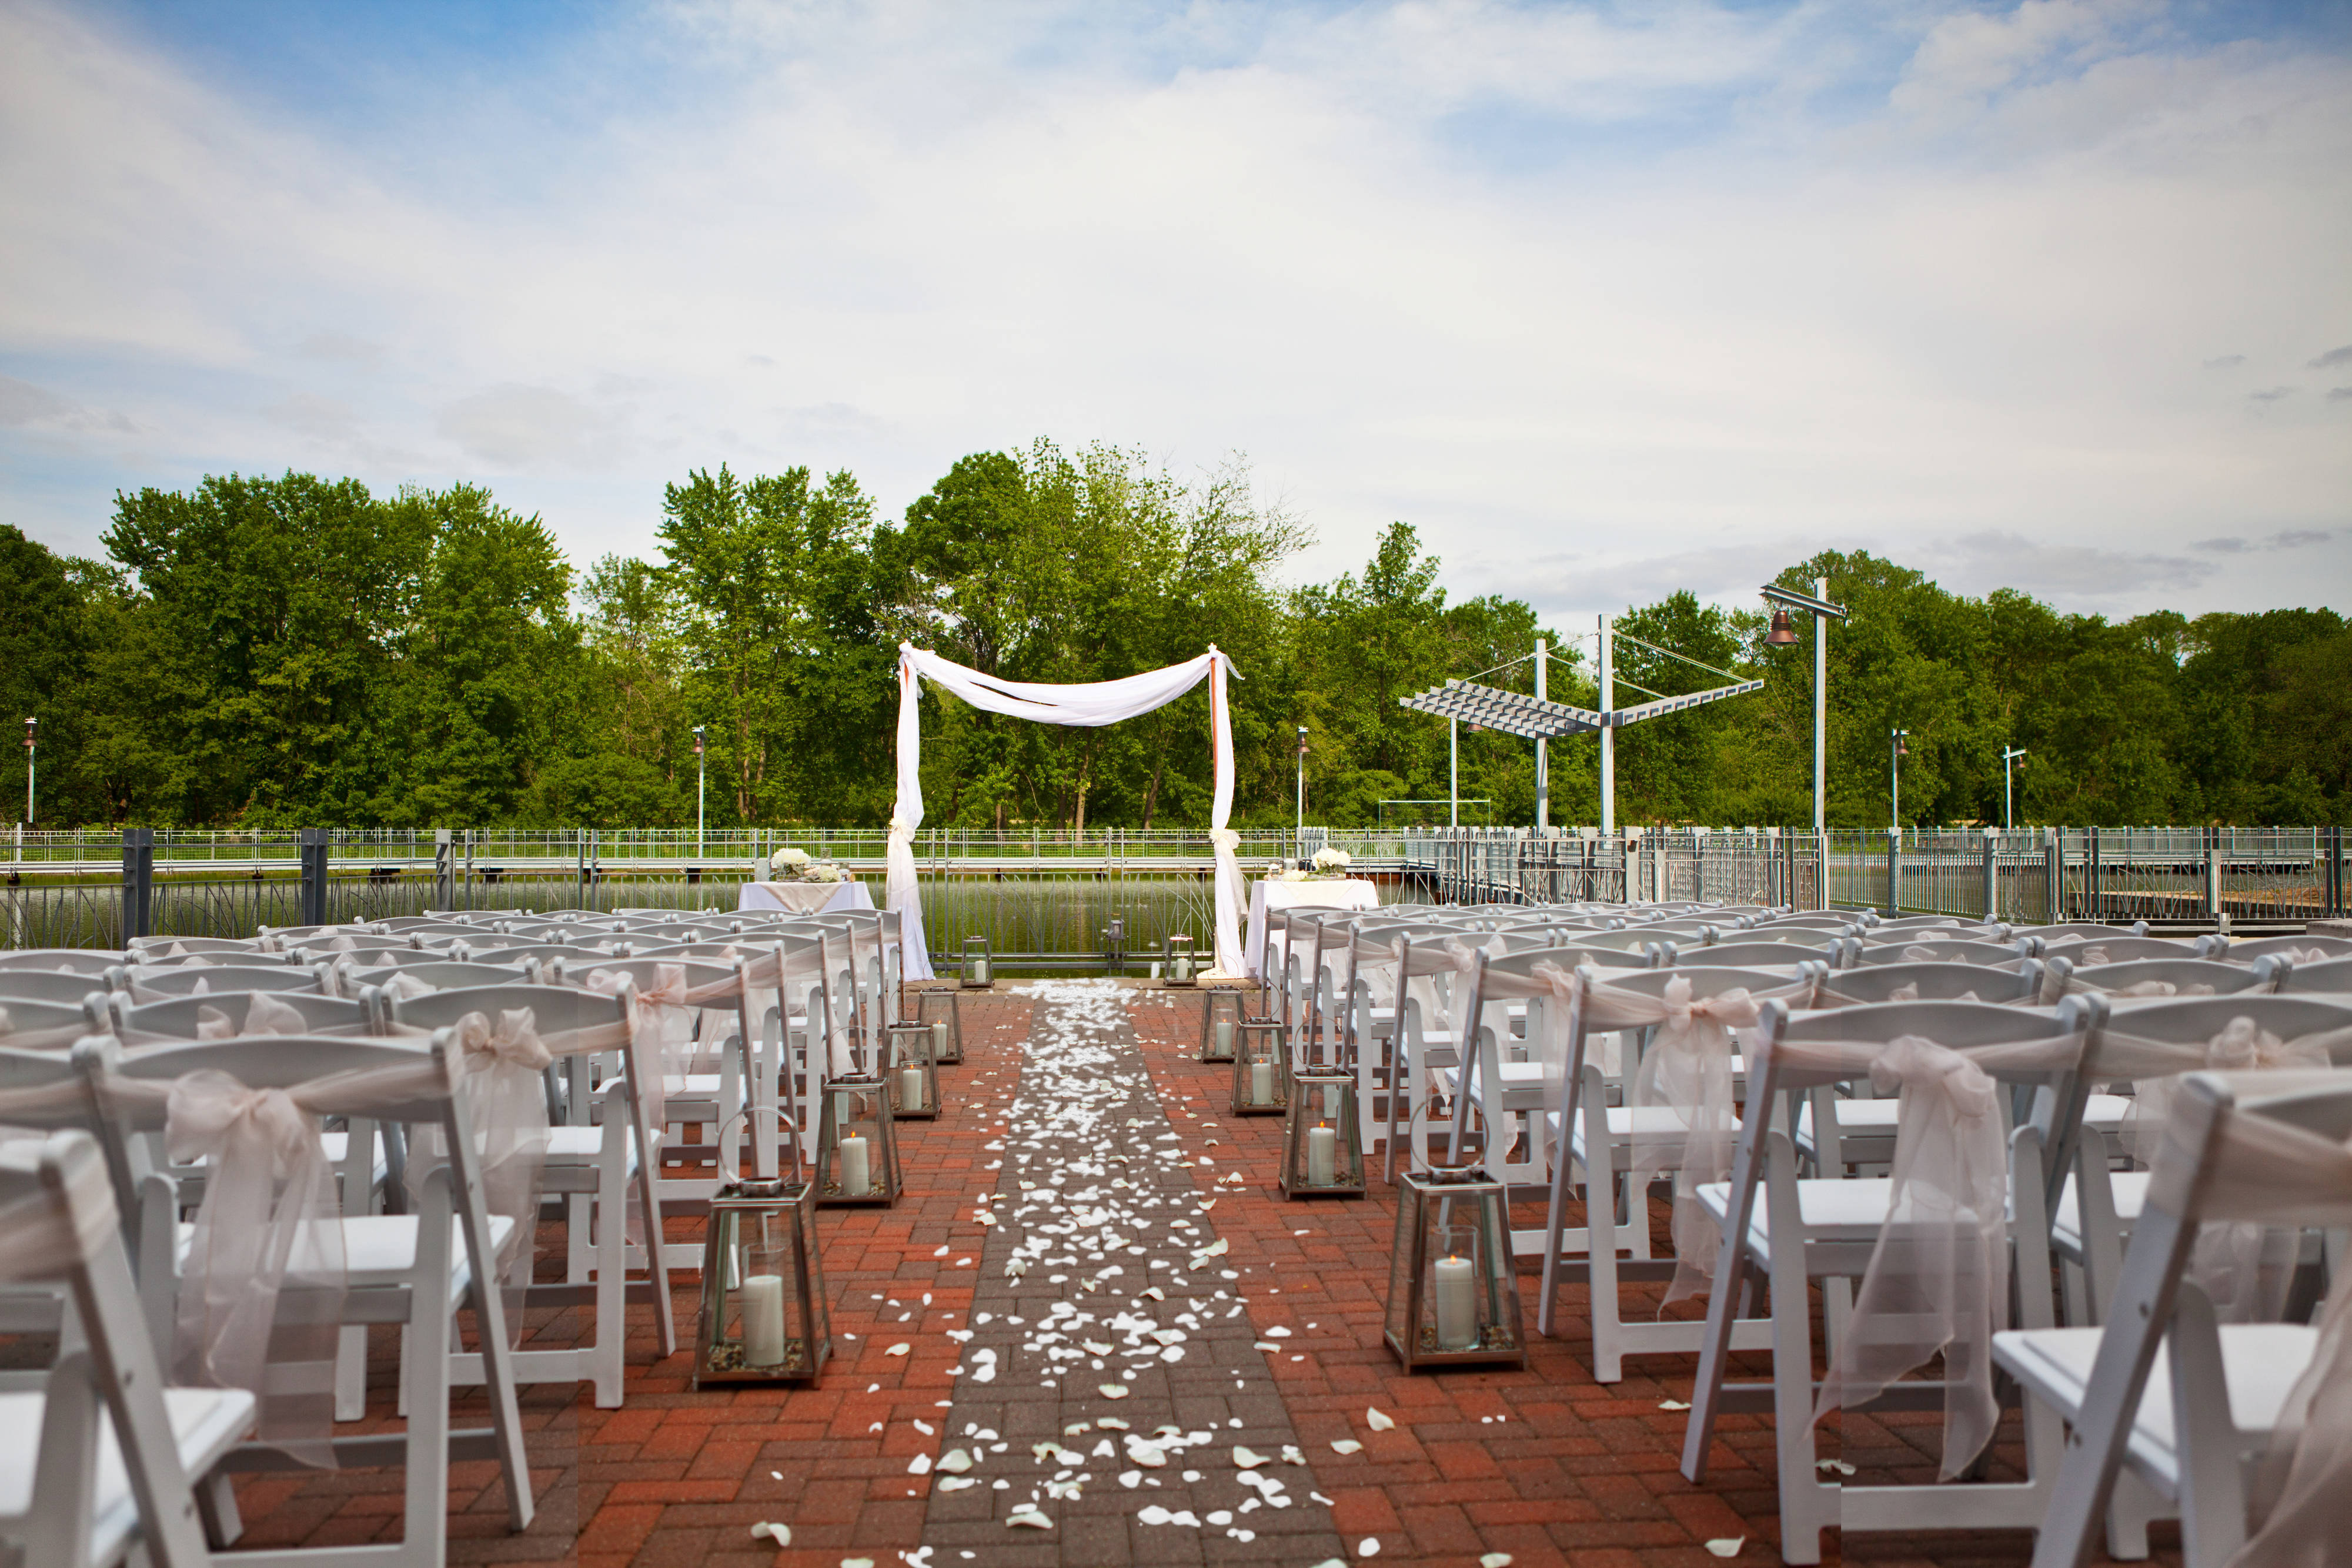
pixel 789 864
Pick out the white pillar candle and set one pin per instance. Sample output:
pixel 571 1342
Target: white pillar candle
pixel 1224 1038
pixel 1261 1082
pixel 910 1088
pixel 1457 1305
pixel 1322 1154
pixel 763 1319
pixel 856 1177
pixel 938 1040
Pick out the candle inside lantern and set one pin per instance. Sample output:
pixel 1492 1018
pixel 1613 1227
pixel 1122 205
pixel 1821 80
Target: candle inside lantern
pixel 1322 1155
pixel 856 1176
pixel 938 1040
pixel 1225 1037
pixel 910 1087
pixel 763 1319
pixel 1261 1082
pixel 1457 1305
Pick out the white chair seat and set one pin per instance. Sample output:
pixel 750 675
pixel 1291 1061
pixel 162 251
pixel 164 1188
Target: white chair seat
pixel 2130 1189
pixel 569 1145
pixel 336 1144
pixel 205 1424
pixel 1626 1122
pixel 381 1248
pixel 1850 1210
pixel 2261 1361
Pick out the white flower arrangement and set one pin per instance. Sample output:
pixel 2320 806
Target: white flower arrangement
pixel 1330 861
pixel 789 864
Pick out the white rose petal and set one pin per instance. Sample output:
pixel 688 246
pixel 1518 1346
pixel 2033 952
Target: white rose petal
pixel 901 1348
pixel 1369 1546
pixel 1378 1422
pixel 1726 1545
pixel 1495 1560
pixel 1346 1446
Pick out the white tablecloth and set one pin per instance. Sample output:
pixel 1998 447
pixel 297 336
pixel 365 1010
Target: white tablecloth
pixel 1350 893
pixel 804 897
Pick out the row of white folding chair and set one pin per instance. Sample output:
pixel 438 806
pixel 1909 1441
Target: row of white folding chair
pixel 1791 1230
pixel 2198 1432
pixel 101 1459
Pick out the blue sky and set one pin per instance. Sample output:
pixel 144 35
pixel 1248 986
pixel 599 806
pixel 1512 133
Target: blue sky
pixel 1608 300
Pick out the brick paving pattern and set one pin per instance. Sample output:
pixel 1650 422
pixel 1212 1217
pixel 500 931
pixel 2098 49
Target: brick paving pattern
pixel 1101 1274
pixel 1542 1464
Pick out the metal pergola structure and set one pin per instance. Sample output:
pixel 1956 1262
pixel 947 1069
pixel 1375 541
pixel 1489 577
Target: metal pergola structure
pixel 1540 719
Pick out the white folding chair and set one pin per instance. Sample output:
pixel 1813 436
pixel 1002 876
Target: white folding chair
pixel 100 1460
pixel 1795 1231
pixel 414 1269
pixel 1936 980
pixel 2096 1208
pixel 2266 1147
pixel 596 1154
pixel 1602 1130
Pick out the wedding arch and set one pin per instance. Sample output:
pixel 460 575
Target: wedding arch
pixel 1089 705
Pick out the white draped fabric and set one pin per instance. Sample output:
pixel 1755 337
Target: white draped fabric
pixel 1088 705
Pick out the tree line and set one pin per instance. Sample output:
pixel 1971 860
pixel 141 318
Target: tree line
pixel 296 651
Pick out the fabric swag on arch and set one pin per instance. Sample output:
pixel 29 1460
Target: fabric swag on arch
pixel 1091 705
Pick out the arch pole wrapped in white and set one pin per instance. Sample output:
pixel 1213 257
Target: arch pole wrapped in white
pixel 1089 705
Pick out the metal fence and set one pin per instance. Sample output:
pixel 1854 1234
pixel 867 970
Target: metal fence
pixel 1041 896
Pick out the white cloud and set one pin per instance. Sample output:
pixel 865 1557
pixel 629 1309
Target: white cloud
pixel 1556 285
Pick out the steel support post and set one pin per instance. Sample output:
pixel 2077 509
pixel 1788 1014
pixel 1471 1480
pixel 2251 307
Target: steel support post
pixel 1894 872
pixel 138 883
pixel 312 851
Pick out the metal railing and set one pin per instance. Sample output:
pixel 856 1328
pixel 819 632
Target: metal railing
pixel 1041 896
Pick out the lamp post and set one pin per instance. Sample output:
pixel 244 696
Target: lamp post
pixel 32 748
pixel 2008 796
pixel 1543 760
pixel 1818 605
pixel 701 776
pixel 1300 839
pixel 1895 753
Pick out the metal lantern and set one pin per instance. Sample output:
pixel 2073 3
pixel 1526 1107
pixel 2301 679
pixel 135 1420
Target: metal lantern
pixel 979 966
pixel 1454 1300
pixel 1260 1078
pixel 1323 1152
pixel 914 1076
pixel 1221 1024
pixel 1178 963
pixel 939 1011
pixel 764 1317
pixel 856 1154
